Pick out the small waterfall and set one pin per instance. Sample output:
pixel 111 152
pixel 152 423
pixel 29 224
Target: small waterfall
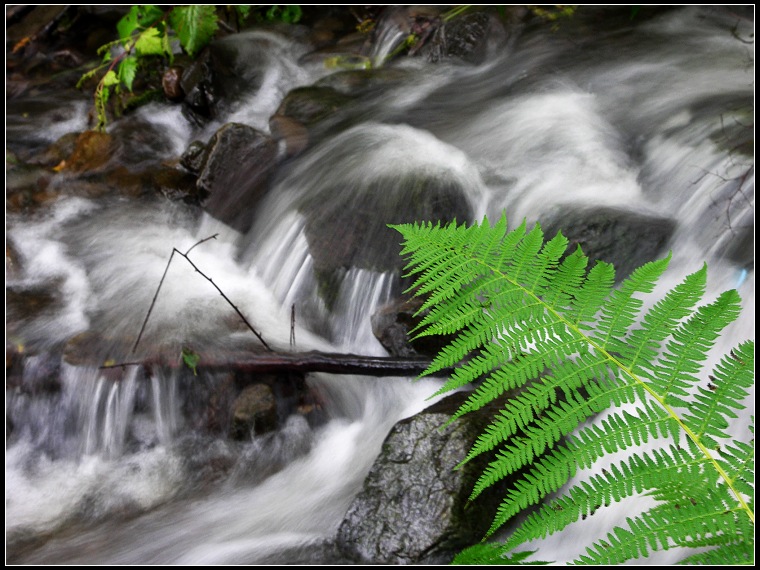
pixel 108 412
pixel 361 291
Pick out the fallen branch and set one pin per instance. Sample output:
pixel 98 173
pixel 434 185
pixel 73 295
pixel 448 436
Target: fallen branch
pixel 304 362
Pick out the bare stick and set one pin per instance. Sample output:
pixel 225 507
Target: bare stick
pixel 185 255
pixel 153 302
pixel 293 325
pixel 120 365
pixel 199 243
pixel 231 304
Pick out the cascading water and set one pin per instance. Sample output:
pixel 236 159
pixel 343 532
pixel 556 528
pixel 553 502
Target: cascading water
pixel 107 467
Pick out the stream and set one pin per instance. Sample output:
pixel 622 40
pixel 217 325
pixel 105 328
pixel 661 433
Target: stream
pixel 646 120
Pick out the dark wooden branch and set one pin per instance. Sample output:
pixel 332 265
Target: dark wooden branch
pixel 305 362
pixel 323 362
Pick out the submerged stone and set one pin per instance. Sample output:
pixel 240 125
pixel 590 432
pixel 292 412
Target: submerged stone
pixel 626 239
pixel 413 507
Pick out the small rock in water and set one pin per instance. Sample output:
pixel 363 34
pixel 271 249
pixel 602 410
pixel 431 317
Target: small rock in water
pixel 171 82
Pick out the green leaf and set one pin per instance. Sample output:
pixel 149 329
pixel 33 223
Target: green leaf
pixel 127 71
pixel 243 11
pixel 138 17
pixel 194 25
pixel 191 360
pixel 110 79
pixel 150 42
pixel 287 14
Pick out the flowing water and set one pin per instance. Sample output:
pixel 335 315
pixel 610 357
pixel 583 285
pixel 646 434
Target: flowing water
pixel 111 472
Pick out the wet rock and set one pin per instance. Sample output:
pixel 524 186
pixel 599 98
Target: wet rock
pixel 177 185
pixel 741 250
pixel 392 324
pixel 253 412
pixel 273 451
pixel 290 132
pixel 193 157
pixel 236 170
pixel 364 82
pixel 625 239
pixel 92 151
pixel 225 71
pixel 413 506
pixel 307 115
pixel 207 460
pixel 342 236
pixel 60 150
pixel 326 30
pixel 309 105
pixel 202 93
pixel 38 374
pixel 25 302
pixel 171 83
pixel 469 38
pixel 26 186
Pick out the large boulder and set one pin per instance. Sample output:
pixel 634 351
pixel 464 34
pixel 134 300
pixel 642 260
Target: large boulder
pixel 235 173
pixel 413 507
pixel 355 233
pixel 624 238
pixel 220 76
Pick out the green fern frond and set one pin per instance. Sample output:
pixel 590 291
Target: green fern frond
pixel 490 554
pixel 730 554
pixel 728 386
pixel 564 344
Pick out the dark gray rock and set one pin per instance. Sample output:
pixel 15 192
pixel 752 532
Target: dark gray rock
pixel 309 114
pixel 741 250
pixel 309 105
pixel 177 184
pixel 193 157
pixel 413 506
pixel 363 82
pixel 342 235
pixel 625 239
pixel 467 38
pixel 236 170
pixel 219 76
pixel 393 323
pixel 254 411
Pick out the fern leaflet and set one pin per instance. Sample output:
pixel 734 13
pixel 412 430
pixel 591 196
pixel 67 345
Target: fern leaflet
pixel 564 345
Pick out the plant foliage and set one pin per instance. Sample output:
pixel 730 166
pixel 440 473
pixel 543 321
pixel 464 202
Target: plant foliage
pixel 535 321
pixel 149 30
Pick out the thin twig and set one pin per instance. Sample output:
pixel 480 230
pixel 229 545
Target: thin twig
pixel 120 365
pixel 199 243
pixel 153 302
pixel 231 304
pixel 293 326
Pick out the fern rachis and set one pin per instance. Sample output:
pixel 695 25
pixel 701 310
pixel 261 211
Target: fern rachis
pixel 536 323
